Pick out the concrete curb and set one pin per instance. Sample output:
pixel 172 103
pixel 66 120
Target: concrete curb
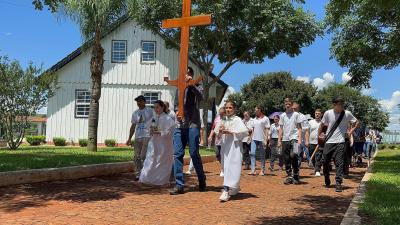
pixel 351 216
pixel 73 173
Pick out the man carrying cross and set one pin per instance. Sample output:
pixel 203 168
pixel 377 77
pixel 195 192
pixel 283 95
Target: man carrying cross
pixel 189 96
pixel 186 132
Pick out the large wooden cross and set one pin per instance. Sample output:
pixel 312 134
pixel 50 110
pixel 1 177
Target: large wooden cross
pixel 184 23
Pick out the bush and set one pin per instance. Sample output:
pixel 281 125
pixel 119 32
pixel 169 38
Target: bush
pixel 83 142
pixel 59 141
pixel 110 142
pixel 392 147
pixel 35 140
pixel 381 147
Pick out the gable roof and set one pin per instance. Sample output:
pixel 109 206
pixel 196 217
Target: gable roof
pixel 113 27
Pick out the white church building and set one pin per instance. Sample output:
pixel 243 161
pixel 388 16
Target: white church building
pixel 136 61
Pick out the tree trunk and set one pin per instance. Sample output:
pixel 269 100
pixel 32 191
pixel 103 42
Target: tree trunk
pixel 96 69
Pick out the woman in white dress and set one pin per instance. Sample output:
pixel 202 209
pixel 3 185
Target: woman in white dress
pixel 159 157
pixel 232 131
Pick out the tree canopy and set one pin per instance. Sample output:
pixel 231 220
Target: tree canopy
pixel 22 93
pixel 365 36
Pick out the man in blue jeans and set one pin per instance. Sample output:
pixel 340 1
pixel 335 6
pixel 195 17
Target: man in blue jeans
pixel 187 132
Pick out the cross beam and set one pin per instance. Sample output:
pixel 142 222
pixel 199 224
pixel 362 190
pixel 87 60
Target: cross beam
pixel 185 22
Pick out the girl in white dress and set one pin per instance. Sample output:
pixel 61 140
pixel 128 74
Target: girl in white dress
pixel 159 157
pixel 232 131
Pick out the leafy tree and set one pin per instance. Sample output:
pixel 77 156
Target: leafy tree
pixel 365 108
pixel 94 18
pixel 366 36
pixel 22 93
pixel 269 91
pixel 241 31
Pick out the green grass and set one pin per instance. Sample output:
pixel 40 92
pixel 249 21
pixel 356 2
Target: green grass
pixel 382 199
pixel 38 157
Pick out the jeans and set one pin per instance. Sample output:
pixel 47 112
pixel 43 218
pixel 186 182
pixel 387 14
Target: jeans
pixel 303 150
pixel 275 153
pixel 257 145
pixel 182 137
pixel 140 147
pixel 291 155
pixel 246 154
pixel 367 149
pixel 335 151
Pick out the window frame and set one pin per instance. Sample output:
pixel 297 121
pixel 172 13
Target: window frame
pixel 80 104
pixel 126 51
pixel 142 51
pixel 151 92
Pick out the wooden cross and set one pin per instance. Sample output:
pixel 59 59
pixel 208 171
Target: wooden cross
pixel 184 23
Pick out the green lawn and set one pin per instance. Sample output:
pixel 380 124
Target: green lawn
pixel 382 200
pixel 54 157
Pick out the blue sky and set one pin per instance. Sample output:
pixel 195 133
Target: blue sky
pixel 38 36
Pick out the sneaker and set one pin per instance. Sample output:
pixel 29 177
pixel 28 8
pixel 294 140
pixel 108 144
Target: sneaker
pixel 288 180
pixel 176 191
pixel 339 188
pixel 262 173
pixel 202 185
pixel 317 174
pixel 233 191
pixel 296 179
pixel 221 174
pixel 327 181
pixel 188 173
pixel 224 196
pixel 252 173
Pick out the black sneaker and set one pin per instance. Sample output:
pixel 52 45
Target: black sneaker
pixel 327 181
pixel 288 180
pixel 296 180
pixel 176 191
pixel 202 185
pixel 339 188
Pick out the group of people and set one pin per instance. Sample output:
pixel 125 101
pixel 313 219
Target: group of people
pixel 161 139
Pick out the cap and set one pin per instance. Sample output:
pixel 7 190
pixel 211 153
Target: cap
pixel 140 98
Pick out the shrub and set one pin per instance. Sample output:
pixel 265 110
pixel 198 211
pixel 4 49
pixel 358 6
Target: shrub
pixel 35 140
pixel 392 147
pixel 110 142
pixel 83 142
pixel 59 141
pixel 381 147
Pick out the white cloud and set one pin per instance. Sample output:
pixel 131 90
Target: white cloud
pixel 368 91
pixel 346 77
pixel 394 121
pixel 7 33
pixel 306 79
pixel 392 103
pixel 323 82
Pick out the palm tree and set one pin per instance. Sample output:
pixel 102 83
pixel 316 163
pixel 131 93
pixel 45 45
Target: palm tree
pixel 94 18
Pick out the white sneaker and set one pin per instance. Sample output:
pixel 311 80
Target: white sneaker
pixel 233 191
pixel 224 196
pixel 221 174
pixel 317 174
pixel 188 172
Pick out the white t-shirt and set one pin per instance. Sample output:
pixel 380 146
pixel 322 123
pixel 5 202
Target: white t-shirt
pixel 305 125
pixel 274 131
pixel 314 126
pixel 260 124
pixel 339 134
pixel 142 119
pixel 289 122
pixel 250 125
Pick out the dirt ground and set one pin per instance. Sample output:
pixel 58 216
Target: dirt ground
pixel 120 200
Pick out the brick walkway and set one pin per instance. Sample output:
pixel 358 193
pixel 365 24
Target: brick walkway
pixel 119 200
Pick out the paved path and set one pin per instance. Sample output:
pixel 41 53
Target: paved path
pixel 119 200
